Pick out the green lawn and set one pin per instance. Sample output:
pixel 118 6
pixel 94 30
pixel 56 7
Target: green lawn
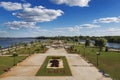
pixel 54 72
pixel 36 48
pixel 108 61
pixel 7 62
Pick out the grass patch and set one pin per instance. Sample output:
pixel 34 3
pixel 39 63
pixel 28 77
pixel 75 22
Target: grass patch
pixel 7 62
pixel 44 71
pixel 108 61
pixel 28 50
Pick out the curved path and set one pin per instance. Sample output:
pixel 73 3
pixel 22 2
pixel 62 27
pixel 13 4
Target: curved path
pixel 27 69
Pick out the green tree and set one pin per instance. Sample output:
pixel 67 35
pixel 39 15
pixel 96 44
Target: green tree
pixel 87 43
pixel 76 39
pixel 97 42
pixel 100 42
pixel 25 46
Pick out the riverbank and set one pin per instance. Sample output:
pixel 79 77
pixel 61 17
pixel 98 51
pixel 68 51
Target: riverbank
pixel 6 42
pixel 26 48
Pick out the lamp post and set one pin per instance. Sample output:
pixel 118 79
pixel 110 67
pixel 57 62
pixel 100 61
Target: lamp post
pixel 98 53
pixel 14 55
pixel 84 51
pixel 29 50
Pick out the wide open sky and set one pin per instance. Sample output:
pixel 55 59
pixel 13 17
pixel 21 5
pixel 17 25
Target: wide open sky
pixel 31 18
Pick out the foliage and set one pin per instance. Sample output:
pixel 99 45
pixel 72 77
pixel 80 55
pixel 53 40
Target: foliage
pixel 70 49
pixel 76 39
pixel 100 42
pixel 87 43
pixel 113 39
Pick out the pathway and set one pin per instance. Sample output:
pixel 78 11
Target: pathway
pixel 27 69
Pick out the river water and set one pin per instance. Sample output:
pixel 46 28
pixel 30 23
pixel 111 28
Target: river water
pixel 109 45
pixel 5 42
pixel 11 41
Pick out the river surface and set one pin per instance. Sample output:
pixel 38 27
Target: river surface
pixel 11 41
pixel 109 45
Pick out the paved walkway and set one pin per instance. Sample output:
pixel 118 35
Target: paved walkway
pixel 27 69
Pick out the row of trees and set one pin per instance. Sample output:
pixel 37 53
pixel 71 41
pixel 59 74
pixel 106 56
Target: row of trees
pixel 113 39
pixel 99 42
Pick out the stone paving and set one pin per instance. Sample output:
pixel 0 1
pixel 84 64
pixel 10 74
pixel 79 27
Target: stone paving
pixel 26 70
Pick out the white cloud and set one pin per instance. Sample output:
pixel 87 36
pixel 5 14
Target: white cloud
pixel 16 25
pixel 13 28
pixel 71 29
pixel 113 30
pixel 89 26
pixel 104 32
pixel 10 6
pixel 3 33
pixel 26 5
pixel 38 30
pixel 38 14
pixel 77 27
pixel 108 20
pixel 80 3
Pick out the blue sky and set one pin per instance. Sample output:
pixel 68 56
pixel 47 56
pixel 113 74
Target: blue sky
pixel 32 18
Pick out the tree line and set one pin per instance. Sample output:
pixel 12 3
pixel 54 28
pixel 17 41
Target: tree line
pixel 112 39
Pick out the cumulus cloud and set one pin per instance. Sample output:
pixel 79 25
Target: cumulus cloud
pixel 16 25
pixel 77 27
pixel 3 33
pixel 89 26
pixel 72 29
pixel 10 6
pixel 38 14
pixel 80 3
pixel 114 30
pixel 108 20
pixel 29 16
pixel 26 5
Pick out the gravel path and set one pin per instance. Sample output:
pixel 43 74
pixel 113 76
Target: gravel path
pixel 27 69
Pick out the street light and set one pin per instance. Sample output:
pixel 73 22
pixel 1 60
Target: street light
pixel 84 51
pixel 29 50
pixel 98 53
pixel 14 55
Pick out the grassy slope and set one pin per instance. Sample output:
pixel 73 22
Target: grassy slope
pixel 7 62
pixel 33 49
pixel 54 72
pixel 108 61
